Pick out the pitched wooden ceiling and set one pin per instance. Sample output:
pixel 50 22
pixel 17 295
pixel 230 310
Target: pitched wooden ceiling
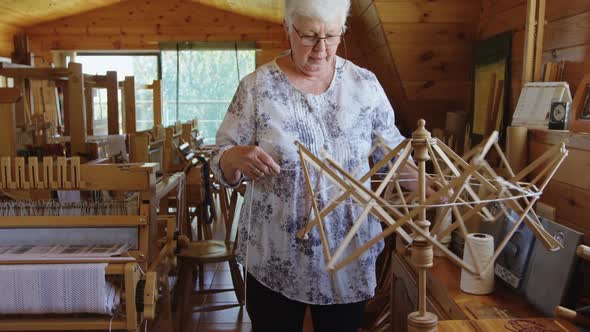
pixel 22 13
pixel 269 10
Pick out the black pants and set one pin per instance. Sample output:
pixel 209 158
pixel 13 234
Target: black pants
pixel 270 311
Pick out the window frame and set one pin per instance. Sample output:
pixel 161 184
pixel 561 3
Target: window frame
pixel 157 54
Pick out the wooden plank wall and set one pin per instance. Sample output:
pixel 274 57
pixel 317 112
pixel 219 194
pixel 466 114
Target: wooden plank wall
pixel 422 53
pixel 6 44
pixel 368 48
pixel 566 35
pixel 566 38
pixel 141 25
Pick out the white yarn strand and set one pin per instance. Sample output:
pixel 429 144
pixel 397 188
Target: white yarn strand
pixel 250 203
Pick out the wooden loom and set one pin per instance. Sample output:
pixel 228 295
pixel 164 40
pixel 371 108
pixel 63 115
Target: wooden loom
pixel 110 83
pixel 155 237
pixel 8 98
pixel 405 209
pixel 74 112
pixel 145 144
pixel 128 89
pixel 78 105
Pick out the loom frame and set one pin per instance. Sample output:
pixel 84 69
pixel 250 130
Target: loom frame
pixel 72 80
pixel 110 83
pixel 155 254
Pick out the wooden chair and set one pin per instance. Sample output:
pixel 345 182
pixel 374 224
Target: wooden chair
pixel 194 254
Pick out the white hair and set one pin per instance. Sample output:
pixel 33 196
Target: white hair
pixel 328 11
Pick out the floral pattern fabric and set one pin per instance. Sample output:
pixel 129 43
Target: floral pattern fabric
pixel 345 121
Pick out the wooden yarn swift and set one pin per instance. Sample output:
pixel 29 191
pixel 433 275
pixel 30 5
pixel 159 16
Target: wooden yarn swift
pixel 467 184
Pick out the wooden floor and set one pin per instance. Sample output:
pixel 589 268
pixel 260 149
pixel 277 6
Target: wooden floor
pixel 233 319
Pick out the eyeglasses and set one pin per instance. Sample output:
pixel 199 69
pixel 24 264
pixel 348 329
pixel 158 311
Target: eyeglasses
pixel 313 40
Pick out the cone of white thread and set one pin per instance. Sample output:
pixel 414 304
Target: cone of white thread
pixel 483 250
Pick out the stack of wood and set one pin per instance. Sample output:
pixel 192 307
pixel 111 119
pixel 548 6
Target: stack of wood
pixel 554 71
pixel 494 105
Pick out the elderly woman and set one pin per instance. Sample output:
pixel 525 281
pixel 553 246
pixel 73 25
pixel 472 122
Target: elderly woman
pixel 311 95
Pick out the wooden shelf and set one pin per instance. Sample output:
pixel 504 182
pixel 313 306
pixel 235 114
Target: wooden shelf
pixel 498 325
pixel 573 140
pixel 444 279
pixel 455 308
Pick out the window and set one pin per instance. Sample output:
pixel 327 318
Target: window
pixel 145 69
pixel 209 77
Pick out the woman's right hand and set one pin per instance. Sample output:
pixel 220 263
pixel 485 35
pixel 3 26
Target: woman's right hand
pixel 250 161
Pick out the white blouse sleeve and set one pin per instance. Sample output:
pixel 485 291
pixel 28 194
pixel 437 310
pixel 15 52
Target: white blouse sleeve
pixel 237 128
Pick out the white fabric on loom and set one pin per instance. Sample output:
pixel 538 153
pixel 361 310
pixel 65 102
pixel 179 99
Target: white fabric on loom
pixel 56 288
pixel 69 236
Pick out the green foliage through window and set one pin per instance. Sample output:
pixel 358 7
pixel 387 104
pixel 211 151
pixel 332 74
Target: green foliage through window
pixel 209 77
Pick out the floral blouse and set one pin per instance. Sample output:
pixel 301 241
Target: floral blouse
pixel 344 121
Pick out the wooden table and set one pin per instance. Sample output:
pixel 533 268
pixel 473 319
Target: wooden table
pixel 457 310
pixel 509 325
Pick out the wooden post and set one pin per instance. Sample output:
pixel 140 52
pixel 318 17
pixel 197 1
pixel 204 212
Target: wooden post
pixel 139 146
pixel 187 129
pixel 148 209
pixel 20 108
pixel 583 252
pixel 539 40
pixel 129 91
pixel 89 110
pixel 112 86
pixel 157 89
pixel 77 113
pixel 132 276
pixel 533 42
pixel 422 253
pixel 8 96
pixel 529 42
pixel 168 146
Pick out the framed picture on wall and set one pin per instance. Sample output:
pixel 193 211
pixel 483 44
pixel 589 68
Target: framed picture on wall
pixel 580 120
